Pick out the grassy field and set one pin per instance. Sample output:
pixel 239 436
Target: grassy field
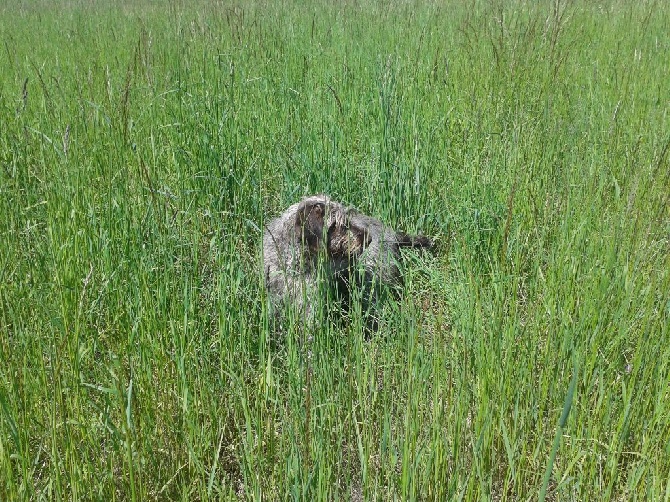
pixel 144 144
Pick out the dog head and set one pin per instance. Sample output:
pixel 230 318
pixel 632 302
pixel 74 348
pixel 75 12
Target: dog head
pixel 321 224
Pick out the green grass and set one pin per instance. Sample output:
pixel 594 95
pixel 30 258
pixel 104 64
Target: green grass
pixel 143 145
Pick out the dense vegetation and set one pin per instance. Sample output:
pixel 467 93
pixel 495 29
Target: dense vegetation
pixel 143 145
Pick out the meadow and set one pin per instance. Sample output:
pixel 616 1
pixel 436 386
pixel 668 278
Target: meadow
pixel 144 144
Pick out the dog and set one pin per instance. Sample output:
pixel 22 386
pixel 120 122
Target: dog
pixel 320 245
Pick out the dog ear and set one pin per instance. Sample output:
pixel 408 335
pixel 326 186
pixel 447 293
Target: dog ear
pixel 309 224
pixel 359 239
pixel 347 241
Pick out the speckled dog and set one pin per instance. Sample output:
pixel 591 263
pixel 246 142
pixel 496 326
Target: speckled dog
pixel 320 242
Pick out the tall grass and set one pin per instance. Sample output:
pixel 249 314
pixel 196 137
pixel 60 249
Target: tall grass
pixel 142 147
